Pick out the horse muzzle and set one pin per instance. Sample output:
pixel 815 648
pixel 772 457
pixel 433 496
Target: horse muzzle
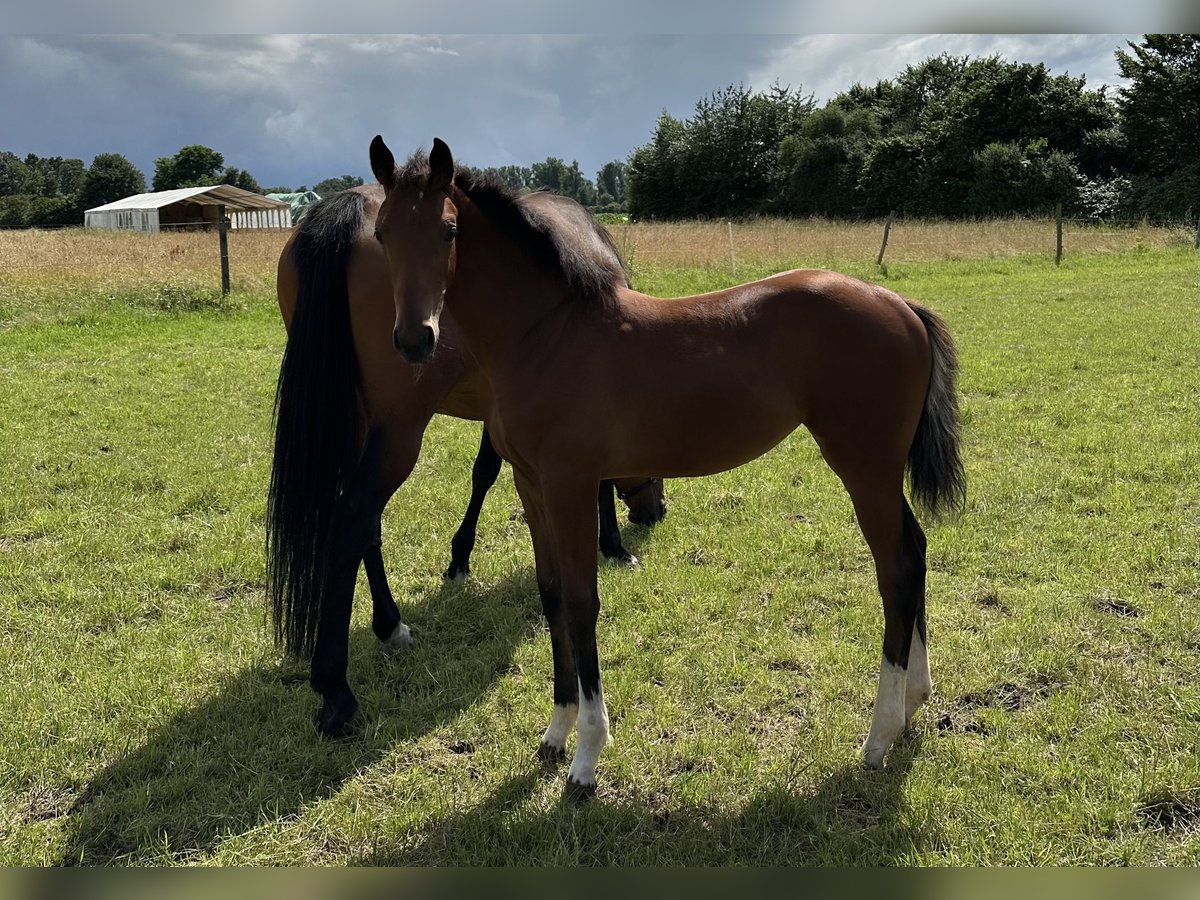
pixel 417 344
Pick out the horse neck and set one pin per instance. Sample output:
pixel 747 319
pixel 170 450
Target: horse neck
pixel 499 295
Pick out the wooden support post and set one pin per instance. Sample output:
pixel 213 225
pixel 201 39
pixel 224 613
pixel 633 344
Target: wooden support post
pixel 887 228
pixel 223 238
pixel 1058 233
pixel 732 255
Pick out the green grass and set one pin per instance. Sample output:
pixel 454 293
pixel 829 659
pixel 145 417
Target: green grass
pixel 148 719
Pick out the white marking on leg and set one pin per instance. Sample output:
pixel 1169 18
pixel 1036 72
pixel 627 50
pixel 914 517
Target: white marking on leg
pixel 400 639
pixel 593 737
pixel 919 686
pixel 888 720
pixel 561 723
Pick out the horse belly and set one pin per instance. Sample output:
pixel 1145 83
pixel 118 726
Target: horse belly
pixel 702 433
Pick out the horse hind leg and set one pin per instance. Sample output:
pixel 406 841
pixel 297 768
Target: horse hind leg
pixel 484 472
pixel 389 628
pixel 897 545
pixel 610 531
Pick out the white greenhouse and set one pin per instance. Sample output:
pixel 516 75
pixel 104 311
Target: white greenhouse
pixel 190 209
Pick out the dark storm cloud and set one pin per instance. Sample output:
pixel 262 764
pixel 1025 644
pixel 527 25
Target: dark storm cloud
pixel 294 109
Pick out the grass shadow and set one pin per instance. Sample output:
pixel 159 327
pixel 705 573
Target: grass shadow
pixel 251 755
pixel 850 817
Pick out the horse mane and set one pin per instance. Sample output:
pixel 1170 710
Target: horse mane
pixel 589 263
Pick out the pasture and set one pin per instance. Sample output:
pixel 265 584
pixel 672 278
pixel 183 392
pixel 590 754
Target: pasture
pixel 149 720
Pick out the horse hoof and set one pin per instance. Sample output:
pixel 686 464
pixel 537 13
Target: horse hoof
pixel 872 757
pixel 333 721
pixel 400 639
pixel 623 558
pixel 578 794
pixel 549 755
pixel 457 574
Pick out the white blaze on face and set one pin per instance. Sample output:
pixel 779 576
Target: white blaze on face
pixel 561 723
pixel 592 738
pixel 888 720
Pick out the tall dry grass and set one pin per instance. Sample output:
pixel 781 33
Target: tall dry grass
pixel 785 243
pixel 95 262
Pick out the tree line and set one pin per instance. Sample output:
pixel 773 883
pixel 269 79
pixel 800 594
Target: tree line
pixel 949 137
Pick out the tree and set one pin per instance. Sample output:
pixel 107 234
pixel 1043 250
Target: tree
pixel 724 161
pixel 240 178
pixel 336 185
pixel 612 184
pixel 193 166
pixel 14 175
pixel 1160 122
pixel 53 176
pixel 570 181
pixel 110 177
pixel 822 164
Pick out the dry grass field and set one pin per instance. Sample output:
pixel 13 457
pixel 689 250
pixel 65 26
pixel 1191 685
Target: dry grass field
pixel 64 262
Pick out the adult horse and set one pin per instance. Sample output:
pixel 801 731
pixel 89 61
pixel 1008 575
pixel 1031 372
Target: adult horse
pixel 350 415
pixel 689 386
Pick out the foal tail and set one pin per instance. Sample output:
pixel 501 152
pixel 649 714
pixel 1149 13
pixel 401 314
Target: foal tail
pixel 316 422
pixel 935 471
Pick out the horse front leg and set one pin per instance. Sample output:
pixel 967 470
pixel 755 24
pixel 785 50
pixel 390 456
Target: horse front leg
pixel 572 527
pixel 553 746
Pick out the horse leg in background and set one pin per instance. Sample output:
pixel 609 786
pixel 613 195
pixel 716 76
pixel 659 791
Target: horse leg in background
pixel 393 634
pixel 385 463
pixel 484 473
pixel 610 533
pixel 898 548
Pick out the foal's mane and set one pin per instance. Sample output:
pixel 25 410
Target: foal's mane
pixel 592 270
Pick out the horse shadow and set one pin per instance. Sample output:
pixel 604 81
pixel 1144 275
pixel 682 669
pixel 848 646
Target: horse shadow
pixel 851 817
pixel 250 755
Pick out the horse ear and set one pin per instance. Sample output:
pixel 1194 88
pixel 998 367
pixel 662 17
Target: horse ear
pixel 441 166
pixel 383 164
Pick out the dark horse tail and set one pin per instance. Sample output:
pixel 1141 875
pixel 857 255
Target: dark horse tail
pixel 935 471
pixel 316 422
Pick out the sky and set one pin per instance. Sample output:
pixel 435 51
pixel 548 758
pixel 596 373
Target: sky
pixel 295 109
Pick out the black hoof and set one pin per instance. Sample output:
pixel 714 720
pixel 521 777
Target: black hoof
pixel 578 794
pixel 456 571
pixel 549 755
pixel 333 721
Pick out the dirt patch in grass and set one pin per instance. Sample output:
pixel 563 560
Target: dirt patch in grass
pixel 1009 696
pixel 1116 607
pixel 1172 812
pixel 46 802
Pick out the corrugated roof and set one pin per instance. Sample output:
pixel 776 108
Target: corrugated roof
pixel 233 197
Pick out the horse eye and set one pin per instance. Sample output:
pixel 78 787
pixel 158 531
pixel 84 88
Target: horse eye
pixel 451 232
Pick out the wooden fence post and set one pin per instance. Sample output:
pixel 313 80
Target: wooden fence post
pixel 1058 234
pixel 223 239
pixel 887 228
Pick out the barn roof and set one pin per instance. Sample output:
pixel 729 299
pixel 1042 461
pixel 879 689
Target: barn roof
pixel 234 198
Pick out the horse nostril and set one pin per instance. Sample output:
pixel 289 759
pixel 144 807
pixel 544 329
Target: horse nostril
pixel 396 338
pixel 417 345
